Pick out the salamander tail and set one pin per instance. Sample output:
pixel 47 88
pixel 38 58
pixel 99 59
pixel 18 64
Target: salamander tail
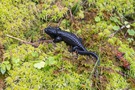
pixel 89 53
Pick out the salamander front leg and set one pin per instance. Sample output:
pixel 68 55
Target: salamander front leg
pixel 57 39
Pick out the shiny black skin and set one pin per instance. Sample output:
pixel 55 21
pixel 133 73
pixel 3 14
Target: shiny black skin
pixel 70 39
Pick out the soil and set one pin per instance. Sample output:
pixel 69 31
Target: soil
pixel 1 52
pixel 1 59
pixel 2 83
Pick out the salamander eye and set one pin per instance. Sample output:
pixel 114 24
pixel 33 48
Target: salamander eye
pixel 46 30
pixel 49 27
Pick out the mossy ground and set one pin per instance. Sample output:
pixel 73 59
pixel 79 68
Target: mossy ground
pixel 50 66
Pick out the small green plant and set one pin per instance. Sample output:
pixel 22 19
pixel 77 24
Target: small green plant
pixel 116 28
pixel 5 66
pixel 48 62
pixel 97 19
pixel 131 32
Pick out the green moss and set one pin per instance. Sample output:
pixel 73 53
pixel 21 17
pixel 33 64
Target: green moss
pixel 123 6
pixel 51 66
pixel 116 82
pixel 57 75
pixel 28 77
pixel 16 18
pixel 25 78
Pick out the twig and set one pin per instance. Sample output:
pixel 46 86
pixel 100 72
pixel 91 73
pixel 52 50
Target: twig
pixel 59 22
pixel 33 44
pixel 92 72
pixel 121 73
pixel 124 26
pixel 121 19
pixel 71 15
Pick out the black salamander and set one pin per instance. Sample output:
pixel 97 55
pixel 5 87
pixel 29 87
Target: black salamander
pixel 70 39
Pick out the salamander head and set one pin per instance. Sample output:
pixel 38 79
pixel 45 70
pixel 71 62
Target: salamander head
pixel 52 31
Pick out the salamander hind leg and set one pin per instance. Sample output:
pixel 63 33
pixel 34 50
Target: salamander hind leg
pixel 70 49
pixel 73 49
